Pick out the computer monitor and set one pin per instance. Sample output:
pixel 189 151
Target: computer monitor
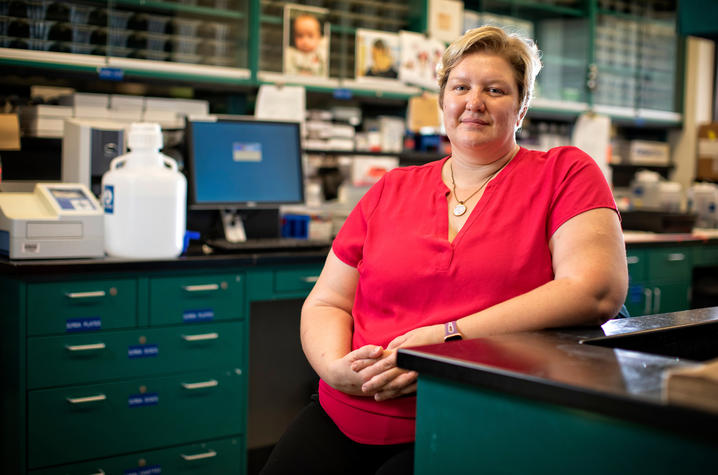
pixel 240 163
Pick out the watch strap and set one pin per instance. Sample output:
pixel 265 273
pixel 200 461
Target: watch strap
pixel 451 331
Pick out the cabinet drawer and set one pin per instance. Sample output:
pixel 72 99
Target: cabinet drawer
pixel 86 358
pixel 196 299
pixel 81 306
pixel 295 280
pixel 670 264
pixel 96 421
pixel 637 265
pixel 706 255
pixel 214 457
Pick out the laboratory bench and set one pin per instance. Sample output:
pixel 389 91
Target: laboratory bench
pixel 148 366
pixel 563 401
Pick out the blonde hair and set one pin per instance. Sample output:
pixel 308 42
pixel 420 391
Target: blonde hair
pixel 521 53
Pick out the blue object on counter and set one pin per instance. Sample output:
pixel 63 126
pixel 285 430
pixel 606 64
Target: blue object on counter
pixel 189 236
pixel 295 226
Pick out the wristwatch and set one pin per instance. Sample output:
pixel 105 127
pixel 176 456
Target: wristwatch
pixel 451 331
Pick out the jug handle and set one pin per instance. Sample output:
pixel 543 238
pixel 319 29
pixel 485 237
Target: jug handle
pixel 170 163
pixel 115 161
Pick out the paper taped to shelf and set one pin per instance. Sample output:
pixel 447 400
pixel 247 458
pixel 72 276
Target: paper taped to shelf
pixel 707 160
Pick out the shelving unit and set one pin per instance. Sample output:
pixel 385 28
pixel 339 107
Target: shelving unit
pixel 257 33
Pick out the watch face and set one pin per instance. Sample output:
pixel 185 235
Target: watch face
pixel 452 337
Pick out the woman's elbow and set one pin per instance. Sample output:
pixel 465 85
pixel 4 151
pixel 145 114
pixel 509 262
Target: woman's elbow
pixel 612 298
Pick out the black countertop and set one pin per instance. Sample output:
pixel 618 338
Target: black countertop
pixel 559 366
pixel 31 267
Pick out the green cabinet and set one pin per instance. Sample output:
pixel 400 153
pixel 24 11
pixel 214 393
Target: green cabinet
pixel 153 379
pixel 659 279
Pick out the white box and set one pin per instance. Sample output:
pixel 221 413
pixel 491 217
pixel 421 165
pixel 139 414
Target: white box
pixel 85 99
pixel 645 152
pixel 127 102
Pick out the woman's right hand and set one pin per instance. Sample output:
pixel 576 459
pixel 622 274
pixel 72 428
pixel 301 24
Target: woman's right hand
pixel 341 375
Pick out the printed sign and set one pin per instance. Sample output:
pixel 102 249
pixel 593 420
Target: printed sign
pixel 142 351
pixel 198 315
pixel 140 400
pixel 83 324
pixel 149 470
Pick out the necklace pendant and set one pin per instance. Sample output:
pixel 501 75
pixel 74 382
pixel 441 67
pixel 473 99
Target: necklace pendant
pixel 459 209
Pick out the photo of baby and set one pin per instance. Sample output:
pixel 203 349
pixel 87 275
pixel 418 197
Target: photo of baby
pixel 419 57
pixel 377 55
pixel 306 41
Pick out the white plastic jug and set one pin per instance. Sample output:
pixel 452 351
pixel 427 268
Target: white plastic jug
pixel 703 201
pixel 144 196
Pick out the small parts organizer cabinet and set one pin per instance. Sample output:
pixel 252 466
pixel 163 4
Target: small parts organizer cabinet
pixel 124 373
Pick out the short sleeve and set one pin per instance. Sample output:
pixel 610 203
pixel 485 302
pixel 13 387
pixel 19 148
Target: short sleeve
pixel 348 245
pixel 579 186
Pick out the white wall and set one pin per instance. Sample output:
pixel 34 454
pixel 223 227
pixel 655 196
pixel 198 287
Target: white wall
pixel 697 107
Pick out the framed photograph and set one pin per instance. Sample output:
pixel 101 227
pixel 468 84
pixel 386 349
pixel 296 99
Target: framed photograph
pixel 377 56
pixel 419 57
pixel 306 41
pixel 446 19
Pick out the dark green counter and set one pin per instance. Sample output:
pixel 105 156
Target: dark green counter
pixel 555 402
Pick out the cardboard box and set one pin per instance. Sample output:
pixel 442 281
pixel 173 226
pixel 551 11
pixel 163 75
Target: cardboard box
pixel 707 164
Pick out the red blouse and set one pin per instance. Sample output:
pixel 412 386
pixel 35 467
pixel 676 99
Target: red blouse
pixel 411 276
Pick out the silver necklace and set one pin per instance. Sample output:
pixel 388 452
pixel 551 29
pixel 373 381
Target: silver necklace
pixel 461 208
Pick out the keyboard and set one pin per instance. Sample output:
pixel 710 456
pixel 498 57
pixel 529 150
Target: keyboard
pixel 269 245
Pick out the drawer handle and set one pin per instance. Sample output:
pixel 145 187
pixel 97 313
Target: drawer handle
pixel 206 455
pixel 310 279
pixel 90 347
pixel 86 399
pixel 632 260
pixel 85 295
pixel 202 337
pixel 200 288
pixel 676 257
pixel 202 385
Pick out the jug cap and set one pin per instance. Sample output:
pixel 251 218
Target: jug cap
pixel 144 135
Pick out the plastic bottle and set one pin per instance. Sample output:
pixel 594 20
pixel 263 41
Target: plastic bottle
pixel 144 196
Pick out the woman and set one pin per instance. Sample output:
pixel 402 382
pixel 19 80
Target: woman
pixel 493 239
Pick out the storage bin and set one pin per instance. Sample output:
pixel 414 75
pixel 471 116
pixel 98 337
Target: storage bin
pixel 185 45
pixel 185 27
pixel 40 29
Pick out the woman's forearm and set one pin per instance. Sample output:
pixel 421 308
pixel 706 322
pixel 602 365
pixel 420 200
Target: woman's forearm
pixel 557 303
pixel 326 334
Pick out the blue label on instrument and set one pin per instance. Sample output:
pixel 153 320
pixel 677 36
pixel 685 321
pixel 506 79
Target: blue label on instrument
pixel 140 400
pixel 198 315
pixel 142 351
pixel 111 74
pixel 83 324
pixel 148 470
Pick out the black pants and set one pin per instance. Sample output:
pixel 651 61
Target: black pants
pixel 314 444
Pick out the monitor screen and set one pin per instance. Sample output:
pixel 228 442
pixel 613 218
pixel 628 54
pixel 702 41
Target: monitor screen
pixel 244 163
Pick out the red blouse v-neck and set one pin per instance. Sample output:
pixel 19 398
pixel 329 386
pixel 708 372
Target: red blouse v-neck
pixel 411 276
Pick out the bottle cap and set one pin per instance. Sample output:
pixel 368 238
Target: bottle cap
pixel 145 135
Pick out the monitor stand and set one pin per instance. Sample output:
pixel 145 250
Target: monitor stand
pixel 233 226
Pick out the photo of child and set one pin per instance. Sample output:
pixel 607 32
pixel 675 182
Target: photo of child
pixel 419 57
pixel 306 41
pixel 377 55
